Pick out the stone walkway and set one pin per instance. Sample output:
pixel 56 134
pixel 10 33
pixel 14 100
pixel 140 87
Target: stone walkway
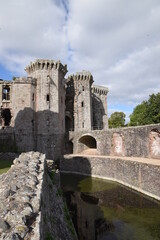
pixel 93 153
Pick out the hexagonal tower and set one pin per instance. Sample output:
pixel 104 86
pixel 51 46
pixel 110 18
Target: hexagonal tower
pixel 82 101
pixel 49 103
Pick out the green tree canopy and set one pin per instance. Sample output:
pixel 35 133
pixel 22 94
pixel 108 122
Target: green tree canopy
pixel 117 119
pixel 148 112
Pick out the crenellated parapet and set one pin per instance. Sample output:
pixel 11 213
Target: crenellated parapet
pixel 41 64
pixel 100 90
pixel 82 76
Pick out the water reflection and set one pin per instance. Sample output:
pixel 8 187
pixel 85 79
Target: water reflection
pixel 104 210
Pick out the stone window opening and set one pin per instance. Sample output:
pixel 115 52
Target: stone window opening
pixel 47 97
pixel 86 224
pixel 6 93
pixel 32 121
pixel 82 124
pixel 33 97
pixel 82 88
pixel 82 104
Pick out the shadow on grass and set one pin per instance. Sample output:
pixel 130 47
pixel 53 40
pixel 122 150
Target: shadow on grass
pixel 5 165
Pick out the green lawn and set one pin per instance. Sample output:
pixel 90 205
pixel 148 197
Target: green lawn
pixel 5 165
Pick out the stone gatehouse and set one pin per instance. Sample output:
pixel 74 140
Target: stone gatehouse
pixel 38 110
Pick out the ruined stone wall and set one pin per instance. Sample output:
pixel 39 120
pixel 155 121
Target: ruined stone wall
pixel 22 97
pixel 141 176
pixel 30 204
pixel 23 107
pixel 141 141
pixel 5 103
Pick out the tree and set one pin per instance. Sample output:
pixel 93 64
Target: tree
pixel 117 119
pixel 148 112
pixel 138 117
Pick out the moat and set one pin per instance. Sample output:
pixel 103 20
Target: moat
pixel 105 210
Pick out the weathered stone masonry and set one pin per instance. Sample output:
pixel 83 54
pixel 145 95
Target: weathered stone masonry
pixel 43 106
pixel 141 176
pixel 30 206
pixel 140 141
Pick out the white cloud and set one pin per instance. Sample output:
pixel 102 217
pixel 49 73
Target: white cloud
pixel 31 29
pixel 117 40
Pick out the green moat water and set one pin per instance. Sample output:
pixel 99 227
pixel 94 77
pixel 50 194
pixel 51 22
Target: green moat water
pixel 104 210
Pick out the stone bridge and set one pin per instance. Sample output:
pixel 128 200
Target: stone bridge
pixel 130 156
pixel 141 141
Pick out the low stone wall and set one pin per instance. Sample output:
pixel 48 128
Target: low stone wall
pixel 30 206
pixel 20 193
pixel 140 141
pixel 141 176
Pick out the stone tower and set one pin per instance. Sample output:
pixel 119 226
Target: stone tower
pixel 49 103
pixel 82 101
pixel 99 107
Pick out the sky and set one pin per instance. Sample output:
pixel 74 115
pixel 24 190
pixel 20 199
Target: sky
pixel 118 41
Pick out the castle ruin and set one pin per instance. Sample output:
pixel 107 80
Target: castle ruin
pixel 38 110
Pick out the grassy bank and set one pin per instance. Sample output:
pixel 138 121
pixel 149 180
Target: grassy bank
pixel 5 165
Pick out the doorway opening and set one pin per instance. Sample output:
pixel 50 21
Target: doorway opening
pixel 6 115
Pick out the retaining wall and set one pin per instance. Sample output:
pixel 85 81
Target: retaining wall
pixel 141 176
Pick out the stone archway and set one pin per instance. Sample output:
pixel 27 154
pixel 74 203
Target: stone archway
pixel 87 145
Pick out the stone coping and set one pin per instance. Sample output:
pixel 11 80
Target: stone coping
pixel 151 161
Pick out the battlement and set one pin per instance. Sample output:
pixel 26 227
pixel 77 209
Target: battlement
pixel 41 64
pixel 100 90
pixel 84 75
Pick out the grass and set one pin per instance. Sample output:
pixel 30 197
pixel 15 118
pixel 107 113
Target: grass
pixel 49 237
pixel 68 220
pixel 52 176
pixel 59 192
pixel 5 165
